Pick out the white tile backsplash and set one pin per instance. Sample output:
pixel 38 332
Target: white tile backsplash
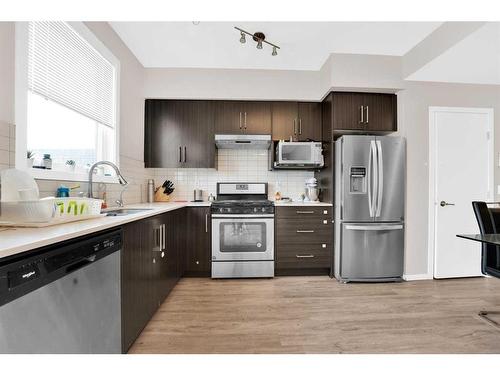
pixel 233 166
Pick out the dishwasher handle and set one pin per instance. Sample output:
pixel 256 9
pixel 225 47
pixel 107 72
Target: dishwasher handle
pixel 80 264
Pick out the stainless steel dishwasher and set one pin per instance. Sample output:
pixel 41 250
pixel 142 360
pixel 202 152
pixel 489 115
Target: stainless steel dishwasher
pixel 63 298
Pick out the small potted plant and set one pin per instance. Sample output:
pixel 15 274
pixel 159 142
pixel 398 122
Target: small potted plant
pixel 30 157
pixel 71 165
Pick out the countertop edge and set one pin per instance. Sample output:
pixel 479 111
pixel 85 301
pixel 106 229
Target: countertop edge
pixel 79 228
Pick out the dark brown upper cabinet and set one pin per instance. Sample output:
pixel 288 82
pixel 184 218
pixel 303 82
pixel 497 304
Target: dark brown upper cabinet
pixel 352 112
pixel 179 134
pixel 381 112
pixel 309 121
pixel 299 121
pixel 238 117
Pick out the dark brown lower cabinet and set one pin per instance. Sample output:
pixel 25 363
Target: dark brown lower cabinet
pixel 304 240
pixel 133 282
pixel 150 268
pixel 198 260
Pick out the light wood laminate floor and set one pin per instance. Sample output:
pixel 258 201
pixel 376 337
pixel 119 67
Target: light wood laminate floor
pixel 319 315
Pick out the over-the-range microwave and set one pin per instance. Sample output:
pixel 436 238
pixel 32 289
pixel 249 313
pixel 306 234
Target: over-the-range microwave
pixel 299 155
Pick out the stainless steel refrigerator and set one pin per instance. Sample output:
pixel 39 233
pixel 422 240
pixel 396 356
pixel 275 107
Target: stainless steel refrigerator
pixel 369 208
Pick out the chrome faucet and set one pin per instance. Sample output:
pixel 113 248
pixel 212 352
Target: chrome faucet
pixel 121 179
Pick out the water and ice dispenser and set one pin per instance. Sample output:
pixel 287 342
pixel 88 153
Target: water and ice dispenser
pixel 357 183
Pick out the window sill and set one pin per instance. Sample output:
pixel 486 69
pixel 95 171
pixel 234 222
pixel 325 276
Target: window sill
pixel 49 174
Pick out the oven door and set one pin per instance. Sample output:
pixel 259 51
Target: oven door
pixel 242 237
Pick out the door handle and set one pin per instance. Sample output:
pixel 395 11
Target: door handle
pixel 206 223
pixel 443 203
pixel 164 237
pixel 245 120
pixel 366 122
pixel 304 256
pixel 240 120
pixel 362 114
pixel 304 212
pixel 304 231
pixel 159 238
pixel 380 167
pixel 374 227
pixel 185 154
pixel 300 126
pixel 294 126
pixel 180 154
pixel 372 173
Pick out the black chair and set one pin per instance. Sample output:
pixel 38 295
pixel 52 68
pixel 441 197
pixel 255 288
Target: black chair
pixel 490 254
pixel 487 220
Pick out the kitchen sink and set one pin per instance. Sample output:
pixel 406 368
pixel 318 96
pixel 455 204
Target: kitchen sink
pixel 124 211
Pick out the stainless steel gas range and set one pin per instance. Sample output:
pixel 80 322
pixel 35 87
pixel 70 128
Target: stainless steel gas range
pixel 242 231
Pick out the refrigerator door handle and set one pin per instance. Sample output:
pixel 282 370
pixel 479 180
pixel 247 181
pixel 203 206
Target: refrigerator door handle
pixel 375 227
pixel 373 173
pixel 380 167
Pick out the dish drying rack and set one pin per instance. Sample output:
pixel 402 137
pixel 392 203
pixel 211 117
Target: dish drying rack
pixel 49 211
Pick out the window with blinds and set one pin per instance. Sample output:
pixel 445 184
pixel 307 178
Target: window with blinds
pixel 71 98
pixel 65 68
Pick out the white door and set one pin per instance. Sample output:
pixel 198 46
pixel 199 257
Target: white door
pixel 461 171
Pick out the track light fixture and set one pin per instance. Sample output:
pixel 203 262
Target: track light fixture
pixel 258 37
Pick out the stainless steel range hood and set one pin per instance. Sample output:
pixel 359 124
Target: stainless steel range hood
pixel 243 141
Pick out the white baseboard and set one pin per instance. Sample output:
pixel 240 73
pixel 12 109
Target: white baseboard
pixel 422 276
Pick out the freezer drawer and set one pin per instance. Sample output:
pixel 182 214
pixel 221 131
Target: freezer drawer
pixel 372 252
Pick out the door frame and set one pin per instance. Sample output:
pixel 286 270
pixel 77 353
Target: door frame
pixel 432 171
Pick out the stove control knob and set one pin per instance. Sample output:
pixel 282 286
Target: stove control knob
pixel 255 209
pixel 263 209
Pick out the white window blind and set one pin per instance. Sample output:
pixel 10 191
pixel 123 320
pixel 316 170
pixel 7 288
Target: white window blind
pixel 65 68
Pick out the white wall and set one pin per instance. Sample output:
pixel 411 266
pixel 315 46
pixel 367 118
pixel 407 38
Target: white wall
pixel 359 72
pixel 7 32
pixel 231 84
pixel 364 72
pixel 413 106
pixel 7 128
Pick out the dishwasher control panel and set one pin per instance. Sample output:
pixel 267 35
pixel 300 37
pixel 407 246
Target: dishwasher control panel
pixel 22 274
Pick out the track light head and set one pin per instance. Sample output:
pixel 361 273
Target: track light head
pixel 259 37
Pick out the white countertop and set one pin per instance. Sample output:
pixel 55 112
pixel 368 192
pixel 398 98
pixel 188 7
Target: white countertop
pixel 302 204
pixel 17 240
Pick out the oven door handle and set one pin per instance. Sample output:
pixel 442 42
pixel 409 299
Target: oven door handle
pixel 241 216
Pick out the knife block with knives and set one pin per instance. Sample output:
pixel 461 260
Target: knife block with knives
pixel 162 193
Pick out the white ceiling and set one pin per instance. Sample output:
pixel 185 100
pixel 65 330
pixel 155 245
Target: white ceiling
pixel 304 45
pixel 475 59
